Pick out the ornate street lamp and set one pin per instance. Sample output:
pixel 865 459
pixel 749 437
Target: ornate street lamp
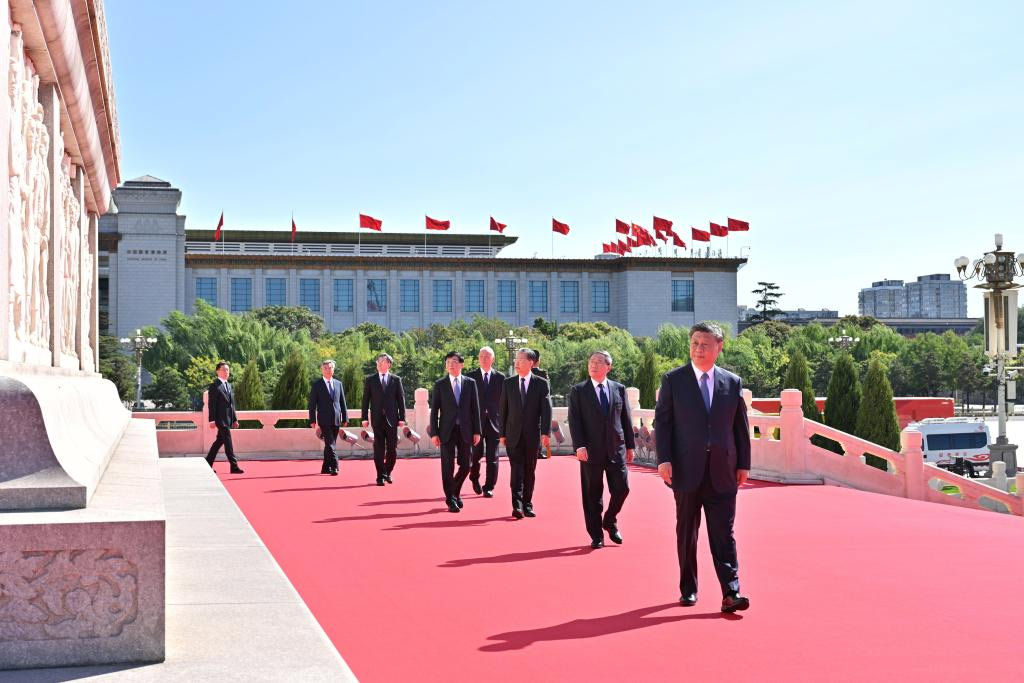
pixel 511 342
pixel 843 341
pixel 139 345
pixel 996 270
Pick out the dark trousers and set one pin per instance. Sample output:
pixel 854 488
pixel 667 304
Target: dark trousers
pixel 491 476
pixel 330 434
pixel 720 512
pixel 592 486
pixel 523 465
pixel 385 448
pixel 455 450
pixel 223 439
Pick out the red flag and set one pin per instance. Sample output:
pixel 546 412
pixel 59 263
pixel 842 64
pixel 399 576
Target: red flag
pixel 621 226
pixel 719 230
pixel 736 225
pixel 624 247
pixel 294 229
pixel 643 237
pixel 699 235
pixel 633 242
pixel 561 228
pixel 220 224
pixel 496 226
pixel 370 222
pixel 605 249
pixel 663 224
pixel 434 224
pixel 678 242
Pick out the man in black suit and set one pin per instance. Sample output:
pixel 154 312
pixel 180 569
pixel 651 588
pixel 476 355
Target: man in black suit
pixel 543 452
pixel 384 411
pixel 602 435
pixel 489 384
pixel 525 412
pixel 703 440
pixel 328 414
pixel 454 426
pixel 222 416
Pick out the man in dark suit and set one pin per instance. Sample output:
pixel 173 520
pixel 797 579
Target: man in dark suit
pixel 384 412
pixel 489 384
pixel 525 418
pixel 601 428
pixel 222 416
pixel 454 426
pixel 328 414
pixel 703 440
pixel 543 452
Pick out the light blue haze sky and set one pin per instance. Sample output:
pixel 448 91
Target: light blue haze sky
pixel 861 140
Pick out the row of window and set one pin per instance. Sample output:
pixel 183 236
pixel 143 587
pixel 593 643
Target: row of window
pixel 409 295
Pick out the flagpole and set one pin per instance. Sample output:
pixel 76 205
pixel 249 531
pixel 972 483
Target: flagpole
pixel 552 240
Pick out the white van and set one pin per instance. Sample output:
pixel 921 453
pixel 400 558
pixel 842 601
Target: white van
pixel 946 439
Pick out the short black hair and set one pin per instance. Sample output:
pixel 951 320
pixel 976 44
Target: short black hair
pixel 530 354
pixel 385 355
pixel 709 328
pixel 223 364
pixel 454 354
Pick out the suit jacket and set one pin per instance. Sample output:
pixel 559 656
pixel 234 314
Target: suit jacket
pixel 540 373
pixel 324 410
pixel 450 420
pixel 606 437
pixel 221 401
pixel 522 423
pixel 384 405
pixel 489 398
pixel 692 439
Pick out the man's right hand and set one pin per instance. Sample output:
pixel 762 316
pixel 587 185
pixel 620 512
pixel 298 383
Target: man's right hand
pixel 312 425
pixel 366 423
pixel 581 454
pixel 436 440
pixel 213 425
pixel 502 441
pixel 665 470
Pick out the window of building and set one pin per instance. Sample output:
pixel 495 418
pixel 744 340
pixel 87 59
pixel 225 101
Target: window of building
pixel 506 296
pixel 277 291
pixel 600 294
pixel 682 296
pixel 474 296
pixel 570 297
pixel 343 296
pixel 376 295
pixel 309 293
pixel 409 296
pixel 538 296
pixel 241 294
pixel 206 289
pixel 442 296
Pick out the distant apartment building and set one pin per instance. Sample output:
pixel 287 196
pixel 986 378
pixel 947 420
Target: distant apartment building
pixel 931 297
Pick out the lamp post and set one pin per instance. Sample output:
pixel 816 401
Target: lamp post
pixel 511 342
pixel 996 270
pixel 139 345
pixel 843 341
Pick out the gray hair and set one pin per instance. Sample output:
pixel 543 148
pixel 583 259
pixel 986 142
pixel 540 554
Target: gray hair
pixel 709 328
pixel 607 356
pixel 488 349
pixel 329 362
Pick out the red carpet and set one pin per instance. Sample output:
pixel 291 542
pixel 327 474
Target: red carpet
pixel 844 585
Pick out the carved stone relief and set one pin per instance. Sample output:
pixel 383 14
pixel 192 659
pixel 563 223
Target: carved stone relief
pixel 64 594
pixel 70 230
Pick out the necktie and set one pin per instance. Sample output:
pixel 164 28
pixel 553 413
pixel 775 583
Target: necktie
pixel 384 381
pixel 522 390
pixel 330 389
pixel 486 375
pixel 603 397
pixel 458 390
pixel 705 391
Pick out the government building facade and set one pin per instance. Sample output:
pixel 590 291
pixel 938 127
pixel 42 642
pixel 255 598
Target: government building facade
pixel 151 264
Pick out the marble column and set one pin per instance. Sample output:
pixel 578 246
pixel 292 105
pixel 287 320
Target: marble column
pixel 50 99
pixel 6 248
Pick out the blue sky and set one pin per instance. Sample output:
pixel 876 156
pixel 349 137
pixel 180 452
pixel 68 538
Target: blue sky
pixel 862 140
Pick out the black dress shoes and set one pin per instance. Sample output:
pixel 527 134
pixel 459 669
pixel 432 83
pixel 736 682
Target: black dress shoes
pixel 517 513
pixel 237 470
pixel 476 487
pixel 613 533
pixel 458 501
pixel 488 493
pixel 688 600
pixel 387 478
pixel 452 507
pixel 380 481
pixel 334 471
pixel 528 511
pixel 734 602
pixel 597 543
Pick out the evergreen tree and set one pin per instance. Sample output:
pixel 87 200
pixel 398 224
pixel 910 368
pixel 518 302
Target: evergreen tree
pixel 768 298
pixel 844 395
pixel 117 367
pixel 798 376
pixel 167 390
pixel 876 419
pixel 646 376
pixel 292 390
pixel 249 390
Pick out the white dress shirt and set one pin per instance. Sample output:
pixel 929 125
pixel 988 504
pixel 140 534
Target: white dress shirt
pixel 711 380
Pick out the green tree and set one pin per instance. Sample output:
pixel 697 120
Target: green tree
pixel 167 390
pixel 842 402
pixel 646 377
pixel 377 336
pixel 291 319
pixel 201 371
pixel 249 389
pixel 767 303
pixel 798 376
pixel 548 328
pixel 876 419
pixel 753 357
pixel 292 390
pixel 778 332
pixel 117 367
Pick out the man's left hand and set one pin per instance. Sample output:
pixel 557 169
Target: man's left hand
pixel 545 440
pixel 234 425
pixel 476 439
pixel 741 477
